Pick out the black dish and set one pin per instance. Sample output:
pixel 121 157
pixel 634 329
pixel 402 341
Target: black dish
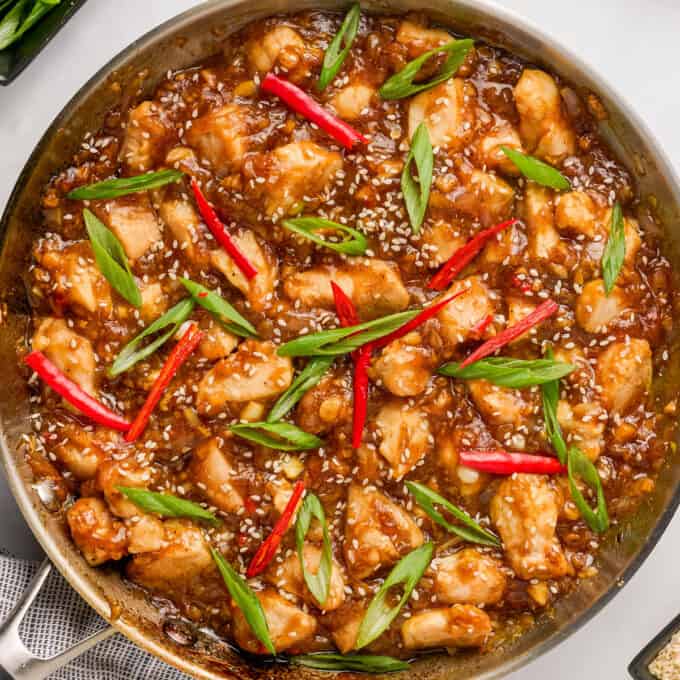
pixel 17 57
pixel 639 666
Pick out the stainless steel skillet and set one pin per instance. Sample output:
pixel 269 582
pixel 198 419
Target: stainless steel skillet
pixel 185 40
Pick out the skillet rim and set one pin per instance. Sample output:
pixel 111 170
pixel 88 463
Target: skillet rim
pixel 512 20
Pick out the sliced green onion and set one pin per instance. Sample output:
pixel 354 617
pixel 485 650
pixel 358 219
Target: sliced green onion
pixel 401 84
pixel 339 47
pixel 580 466
pixel 550 392
pixel 132 353
pixel 536 170
pixel 122 186
pixel 417 192
pixel 286 437
pixel 379 615
pixel 220 309
pixel 166 505
pixel 246 600
pixel 111 259
pixel 360 663
pixel 471 531
pixel 355 244
pixel 507 372
pixel 615 250
pixel 319 584
pixel 315 369
pixel 344 340
pixel 14 24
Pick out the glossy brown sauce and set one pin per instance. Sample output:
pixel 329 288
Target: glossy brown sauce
pixel 366 193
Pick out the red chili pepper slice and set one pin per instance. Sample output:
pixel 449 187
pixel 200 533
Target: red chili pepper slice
pixel 541 313
pixel 478 329
pixel 416 321
pixel 360 385
pixel 267 550
pixel 344 307
pixel 464 255
pixel 74 394
pixel 302 103
pixel 348 316
pixel 219 231
pixel 180 353
pixel 505 463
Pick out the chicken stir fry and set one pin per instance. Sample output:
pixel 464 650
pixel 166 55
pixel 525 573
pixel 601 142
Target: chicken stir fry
pixel 216 428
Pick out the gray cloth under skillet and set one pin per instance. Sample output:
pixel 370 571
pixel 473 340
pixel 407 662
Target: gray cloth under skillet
pixel 59 618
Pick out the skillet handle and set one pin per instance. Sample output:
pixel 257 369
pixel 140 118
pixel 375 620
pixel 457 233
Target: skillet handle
pixel 16 661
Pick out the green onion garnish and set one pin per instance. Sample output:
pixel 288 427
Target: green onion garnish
pixel 536 170
pixel 401 84
pixel 111 259
pixel 122 186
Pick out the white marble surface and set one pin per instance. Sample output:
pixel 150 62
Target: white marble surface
pixel 632 43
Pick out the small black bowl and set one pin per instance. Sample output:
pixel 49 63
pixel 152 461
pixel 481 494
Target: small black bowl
pixel 639 666
pixel 17 57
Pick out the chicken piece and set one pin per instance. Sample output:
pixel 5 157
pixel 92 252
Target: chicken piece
pixel 288 576
pixel 179 567
pixel 221 137
pixel 344 626
pixel 544 239
pixel 419 39
pixel 134 222
pixel 519 308
pixel 145 135
pixel 405 437
pixel 71 353
pixel 154 301
pixel 351 101
pixel 448 111
pixel 595 310
pixel 327 405
pixel 631 230
pixel 185 226
pixel 583 426
pixel 405 366
pixel 280 491
pixel 374 286
pixel 439 241
pixel 288 625
pixel 525 510
pixel 280 45
pixel 624 371
pixel 461 625
pixel 577 212
pixel 378 531
pixel 253 372
pixel 544 127
pixel 217 342
pixel 75 280
pixel 460 316
pixel 78 451
pixel 146 533
pixel 469 577
pixel 481 195
pixel 97 534
pixel 299 171
pixel 489 151
pixel 500 405
pixel 260 289
pixel 211 470
pixel 112 474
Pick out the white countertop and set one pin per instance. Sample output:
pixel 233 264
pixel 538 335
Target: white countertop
pixel 632 43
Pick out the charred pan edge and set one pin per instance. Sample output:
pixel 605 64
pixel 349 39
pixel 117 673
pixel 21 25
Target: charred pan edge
pixel 479 18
